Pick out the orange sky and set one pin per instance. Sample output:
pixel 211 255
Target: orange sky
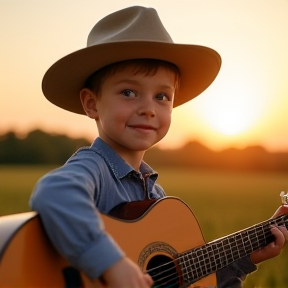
pixel 246 105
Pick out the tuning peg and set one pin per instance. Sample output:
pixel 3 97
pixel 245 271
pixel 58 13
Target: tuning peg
pixel 284 198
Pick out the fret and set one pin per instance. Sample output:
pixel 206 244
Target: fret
pixel 211 255
pixel 261 235
pixel 199 263
pixel 185 264
pixel 189 274
pixel 254 239
pixel 241 246
pixel 250 235
pixel 222 254
pixel 264 234
pixel 280 222
pixel 225 243
pixel 273 222
pixel 206 260
pixel 233 247
pixel 228 250
pixel 247 242
pixel 190 262
pixel 202 261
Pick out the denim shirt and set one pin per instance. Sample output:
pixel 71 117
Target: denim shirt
pixel 96 179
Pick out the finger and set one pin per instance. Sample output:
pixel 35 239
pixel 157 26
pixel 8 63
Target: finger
pixel 149 280
pixel 281 210
pixel 279 237
pixel 284 231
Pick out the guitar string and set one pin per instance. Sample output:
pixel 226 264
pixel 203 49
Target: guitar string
pixel 170 284
pixel 201 276
pixel 205 254
pixel 176 278
pixel 171 262
pixel 268 222
pixel 253 242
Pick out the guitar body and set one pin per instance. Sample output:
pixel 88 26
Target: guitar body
pixel 168 227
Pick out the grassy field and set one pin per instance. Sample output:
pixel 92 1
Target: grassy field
pixel 222 201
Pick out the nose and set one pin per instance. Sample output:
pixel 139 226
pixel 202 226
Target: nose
pixel 147 108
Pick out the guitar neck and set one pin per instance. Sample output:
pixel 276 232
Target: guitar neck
pixel 202 261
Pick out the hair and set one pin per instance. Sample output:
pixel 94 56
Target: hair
pixel 146 66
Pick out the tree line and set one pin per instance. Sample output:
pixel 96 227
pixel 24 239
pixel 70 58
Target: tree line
pixel 195 155
pixel 39 147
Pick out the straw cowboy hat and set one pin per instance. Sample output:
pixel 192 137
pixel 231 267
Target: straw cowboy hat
pixel 132 33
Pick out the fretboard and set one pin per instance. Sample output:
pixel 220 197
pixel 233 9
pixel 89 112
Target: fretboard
pixel 202 261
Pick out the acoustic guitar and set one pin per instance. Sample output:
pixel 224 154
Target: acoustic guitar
pixel 162 236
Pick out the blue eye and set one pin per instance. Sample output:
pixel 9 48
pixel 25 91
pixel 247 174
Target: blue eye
pixel 162 96
pixel 129 93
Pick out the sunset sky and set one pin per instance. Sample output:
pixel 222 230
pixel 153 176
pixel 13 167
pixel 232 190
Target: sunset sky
pixel 246 105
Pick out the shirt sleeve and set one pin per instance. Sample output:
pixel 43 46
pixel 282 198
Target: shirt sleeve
pixel 234 274
pixel 64 199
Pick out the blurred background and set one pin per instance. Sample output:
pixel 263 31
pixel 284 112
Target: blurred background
pixel 226 153
pixel 246 104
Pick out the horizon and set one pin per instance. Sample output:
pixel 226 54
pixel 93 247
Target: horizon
pixel 22 136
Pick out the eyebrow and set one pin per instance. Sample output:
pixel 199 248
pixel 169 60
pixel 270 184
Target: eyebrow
pixel 129 81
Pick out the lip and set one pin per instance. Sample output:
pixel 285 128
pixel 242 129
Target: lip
pixel 142 127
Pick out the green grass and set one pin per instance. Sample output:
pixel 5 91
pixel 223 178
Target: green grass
pixel 16 185
pixel 222 201
pixel 233 199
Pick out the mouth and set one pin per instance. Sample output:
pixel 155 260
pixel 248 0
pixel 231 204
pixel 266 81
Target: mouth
pixel 142 127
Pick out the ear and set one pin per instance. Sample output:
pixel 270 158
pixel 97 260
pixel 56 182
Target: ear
pixel 89 101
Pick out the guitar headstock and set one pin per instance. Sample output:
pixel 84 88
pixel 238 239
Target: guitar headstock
pixel 284 198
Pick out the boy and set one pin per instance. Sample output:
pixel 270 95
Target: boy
pixel 128 80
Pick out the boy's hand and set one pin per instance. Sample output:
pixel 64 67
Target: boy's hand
pixel 126 274
pixel 274 248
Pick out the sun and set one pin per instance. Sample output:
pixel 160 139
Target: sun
pixel 229 121
pixel 231 116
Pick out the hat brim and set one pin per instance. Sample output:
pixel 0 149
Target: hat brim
pixel 63 81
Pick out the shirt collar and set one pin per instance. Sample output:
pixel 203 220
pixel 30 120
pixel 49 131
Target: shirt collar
pixel 119 167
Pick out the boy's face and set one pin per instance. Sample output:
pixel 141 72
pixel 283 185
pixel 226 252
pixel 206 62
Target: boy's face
pixel 133 111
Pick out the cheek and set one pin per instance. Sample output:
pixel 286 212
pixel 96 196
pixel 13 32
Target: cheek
pixel 118 115
pixel 168 123
pixel 166 118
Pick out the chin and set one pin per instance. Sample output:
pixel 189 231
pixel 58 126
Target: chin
pixel 142 146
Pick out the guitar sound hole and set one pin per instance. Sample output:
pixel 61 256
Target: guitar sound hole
pixel 163 272
pixel 72 277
